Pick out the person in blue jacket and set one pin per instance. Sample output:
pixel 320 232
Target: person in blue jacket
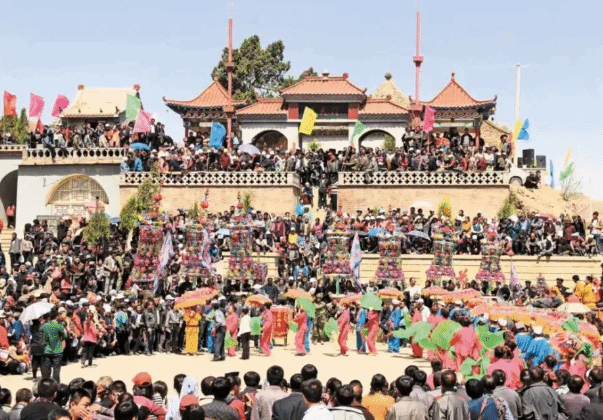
pixel 393 343
pixel 360 322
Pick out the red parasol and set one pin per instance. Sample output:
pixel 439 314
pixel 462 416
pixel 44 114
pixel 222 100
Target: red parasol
pixel 390 293
pixel 257 300
pixel 195 298
pixel 297 293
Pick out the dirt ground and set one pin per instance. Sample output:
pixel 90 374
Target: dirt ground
pixel 163 366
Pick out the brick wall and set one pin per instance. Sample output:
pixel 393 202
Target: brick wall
pixel 271 199
pixel 470 199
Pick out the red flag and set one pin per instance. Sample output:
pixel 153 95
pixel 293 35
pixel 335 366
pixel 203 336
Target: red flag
pixel 60 105
pixel 10 105
pixel 428 119
pixel 40 126
pixel 36 105
pixel 143 122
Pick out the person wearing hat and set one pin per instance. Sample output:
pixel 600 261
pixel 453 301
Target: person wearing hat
pixel 539 348
pixel 142 383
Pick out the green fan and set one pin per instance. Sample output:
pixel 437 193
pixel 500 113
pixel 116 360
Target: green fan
pixel 407 320
pixel 293 326
pixel 466 367
pixel 331 329
pixel 230 342
pixel 489 339
pixel 571 324
pixel 371 301
pixel 364 332
pixel 255 324
pixel 427 344
pixel 442 334
pixel 307 305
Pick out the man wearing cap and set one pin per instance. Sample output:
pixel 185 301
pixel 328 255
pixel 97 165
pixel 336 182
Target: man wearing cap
pixel 539 348
pixel 142 381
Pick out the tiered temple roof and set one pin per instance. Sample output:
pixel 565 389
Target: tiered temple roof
pixel 213 97
pixel 99 102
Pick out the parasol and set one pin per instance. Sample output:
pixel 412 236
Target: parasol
pixel 371 301
pixel 140 146
pixel 347 300
pixel 35 311
pixel 195 298
pixel 390 293
pixel 307 306
pixel 419 234
pixel 257 300
pixel 297 293
pixel 249 148
pixel 574 308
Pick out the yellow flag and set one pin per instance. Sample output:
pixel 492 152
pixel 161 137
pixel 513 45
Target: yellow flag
pixel 568 154
pixel 517 129
pixel 308 120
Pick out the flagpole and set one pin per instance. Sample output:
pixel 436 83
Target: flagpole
pixel 516 113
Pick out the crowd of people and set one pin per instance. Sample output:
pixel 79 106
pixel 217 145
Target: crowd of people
pixel 418 151
pixel 442 394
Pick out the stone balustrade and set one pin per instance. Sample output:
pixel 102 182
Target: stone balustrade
pixel 249 179
pixel 421 178
pixel 11 149
pixel 97 155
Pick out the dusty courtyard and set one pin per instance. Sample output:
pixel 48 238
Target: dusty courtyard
pixel 163 366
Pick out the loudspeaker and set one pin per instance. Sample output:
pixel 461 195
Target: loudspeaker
pixel 520 162
pixel 541 161
pixel 503 294
pixel 528 158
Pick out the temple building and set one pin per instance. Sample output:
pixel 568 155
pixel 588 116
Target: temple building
pixel 98 105
pixel 207 107
pixel 455 107
pixel 338 102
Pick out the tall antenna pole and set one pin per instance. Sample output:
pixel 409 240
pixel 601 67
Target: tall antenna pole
pixel 229 69
pixel 517 90
pixel 418 60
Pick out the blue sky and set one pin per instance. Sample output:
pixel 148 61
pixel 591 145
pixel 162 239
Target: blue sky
pixel 171 47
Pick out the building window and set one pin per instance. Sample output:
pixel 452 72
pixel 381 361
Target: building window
pixel 72 194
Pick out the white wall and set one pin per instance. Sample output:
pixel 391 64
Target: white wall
pixel 35 182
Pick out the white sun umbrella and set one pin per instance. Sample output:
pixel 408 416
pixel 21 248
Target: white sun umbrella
pixel 35 311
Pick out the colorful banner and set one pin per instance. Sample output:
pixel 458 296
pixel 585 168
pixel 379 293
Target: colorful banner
pixel 167 250
pixel 523 132
pixel 428 119
pixel 358 129
pixel 143 122
pixel 60 104
pixel 281 317
pixel 10 105
pixel 36 106
pixel 356 258
pixel 216 138
pixel 308 120
pixel 133 105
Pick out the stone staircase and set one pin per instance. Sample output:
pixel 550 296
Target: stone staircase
pixel 5 238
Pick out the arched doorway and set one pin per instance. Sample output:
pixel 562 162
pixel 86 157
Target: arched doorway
pixel 70 195
pixel 8 192
pixel 374 138
pixel 270 139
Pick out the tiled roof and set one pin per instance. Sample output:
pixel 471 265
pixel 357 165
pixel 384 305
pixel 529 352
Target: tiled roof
pixel 213 96
pixel 389 88
pixel 324 85
pixel 272 106
pixel 382 106
pixel 98 102
pixel 455 96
